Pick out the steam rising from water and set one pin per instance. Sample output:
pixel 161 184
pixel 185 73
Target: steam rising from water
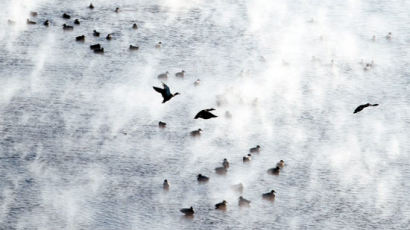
pixel 65 162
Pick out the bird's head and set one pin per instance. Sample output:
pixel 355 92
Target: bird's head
pixel 176 93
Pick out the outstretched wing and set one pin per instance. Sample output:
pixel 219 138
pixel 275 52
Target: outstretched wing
pixel 159 90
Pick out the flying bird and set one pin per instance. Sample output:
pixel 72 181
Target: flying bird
pixel 165 92
pixel 205 114
pixel 361 107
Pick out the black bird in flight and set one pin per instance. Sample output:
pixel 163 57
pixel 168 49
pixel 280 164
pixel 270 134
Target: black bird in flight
pixel 205 114
pixel 165 92
pixel 361 107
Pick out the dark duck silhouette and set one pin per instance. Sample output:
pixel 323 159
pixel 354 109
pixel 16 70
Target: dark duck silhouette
pixel 66 16
pixel 165 185
pixel 187 211
pixel 269 195
pixel 30 22
pixel 99 51
pixel 91 6
pixel 67 27
pixel 202 178
pixel 361 107
pixel 33 13
pixel 180 74
pixel 196 133
pixel 243 202
pixel 109 37
pixel 95 46
pixel 46 23
pixel 77 22
pixel 221 170
pixel 96 33
pixel 280 164
pixel 117 10
pixel 274 171
pixel 205 114
pixel 221 206
pixel 162 124
pixel 80 38
pixel 165 92
pixel 255 149
pixel 247 158
pixel 134 47
pixel 134 26
pixel 225 163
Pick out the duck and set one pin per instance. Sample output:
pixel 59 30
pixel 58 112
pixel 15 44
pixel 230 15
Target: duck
pixel 196 83
pixel 117 10
pixel 96 33
pixel 205 114
pixel 67 27
pixel 188 211
pixel 180 74
pixel 134 26
pixel 237 187
pixel 134 47
pixel 280 164
pixel 255 149
pixel 163 76
pixel 225 163
pixel 99 51
pixel 46 23
pixel 30 22
pixel 11 22
pixel 221 170
pixel 361 107
pixel 33 13
pixel 367 67
pixel 109 37
pixel 274 171
pixel 269 195
pixel 243 202
pixel 91 6
pixel 202 178
pixel 165 92
pixel 77 22
pixel 95 46
pixel 246 158
pixel 389 36
pixel 80 38
pixel 66 16
pixel 162 124
pixel 165 185
pixel 221 206
pixel 158 45
pixel 196 133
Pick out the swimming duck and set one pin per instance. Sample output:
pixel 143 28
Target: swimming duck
pixel 66 16
pixel 117 10
pixel 95 46
pixel 163 76
pixel 134 26
pixel 91 6
pixel 280 164
pixel 205 114
pixel 187 211
pixel 243 202
pixel 99 51
pixel 80 38
pixel 77 22
pixel 30 22
pixel 274 171
pixel 46 23
pixel 67 27
pixel 134 47
pixel 246 158
pixel 109 37
pixel 196 83
pixel 162 124
pixel 158 45
pixel 165 185
pixel 196 133
pixel 221 170
pixel 33 13
pixel 225 163
pixel 96 33
pixel 202 178
pixel 165 92
pixel 389 36
pixel 180 74
pixel 237 187
pixel 361 107
pixel 221 206
pixel 255 149
pixel 269 195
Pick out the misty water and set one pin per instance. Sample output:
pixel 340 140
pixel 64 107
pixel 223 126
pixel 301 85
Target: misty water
pixel 80 146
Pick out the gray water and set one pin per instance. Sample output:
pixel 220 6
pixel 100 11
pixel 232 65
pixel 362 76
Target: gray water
pixel 65 162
